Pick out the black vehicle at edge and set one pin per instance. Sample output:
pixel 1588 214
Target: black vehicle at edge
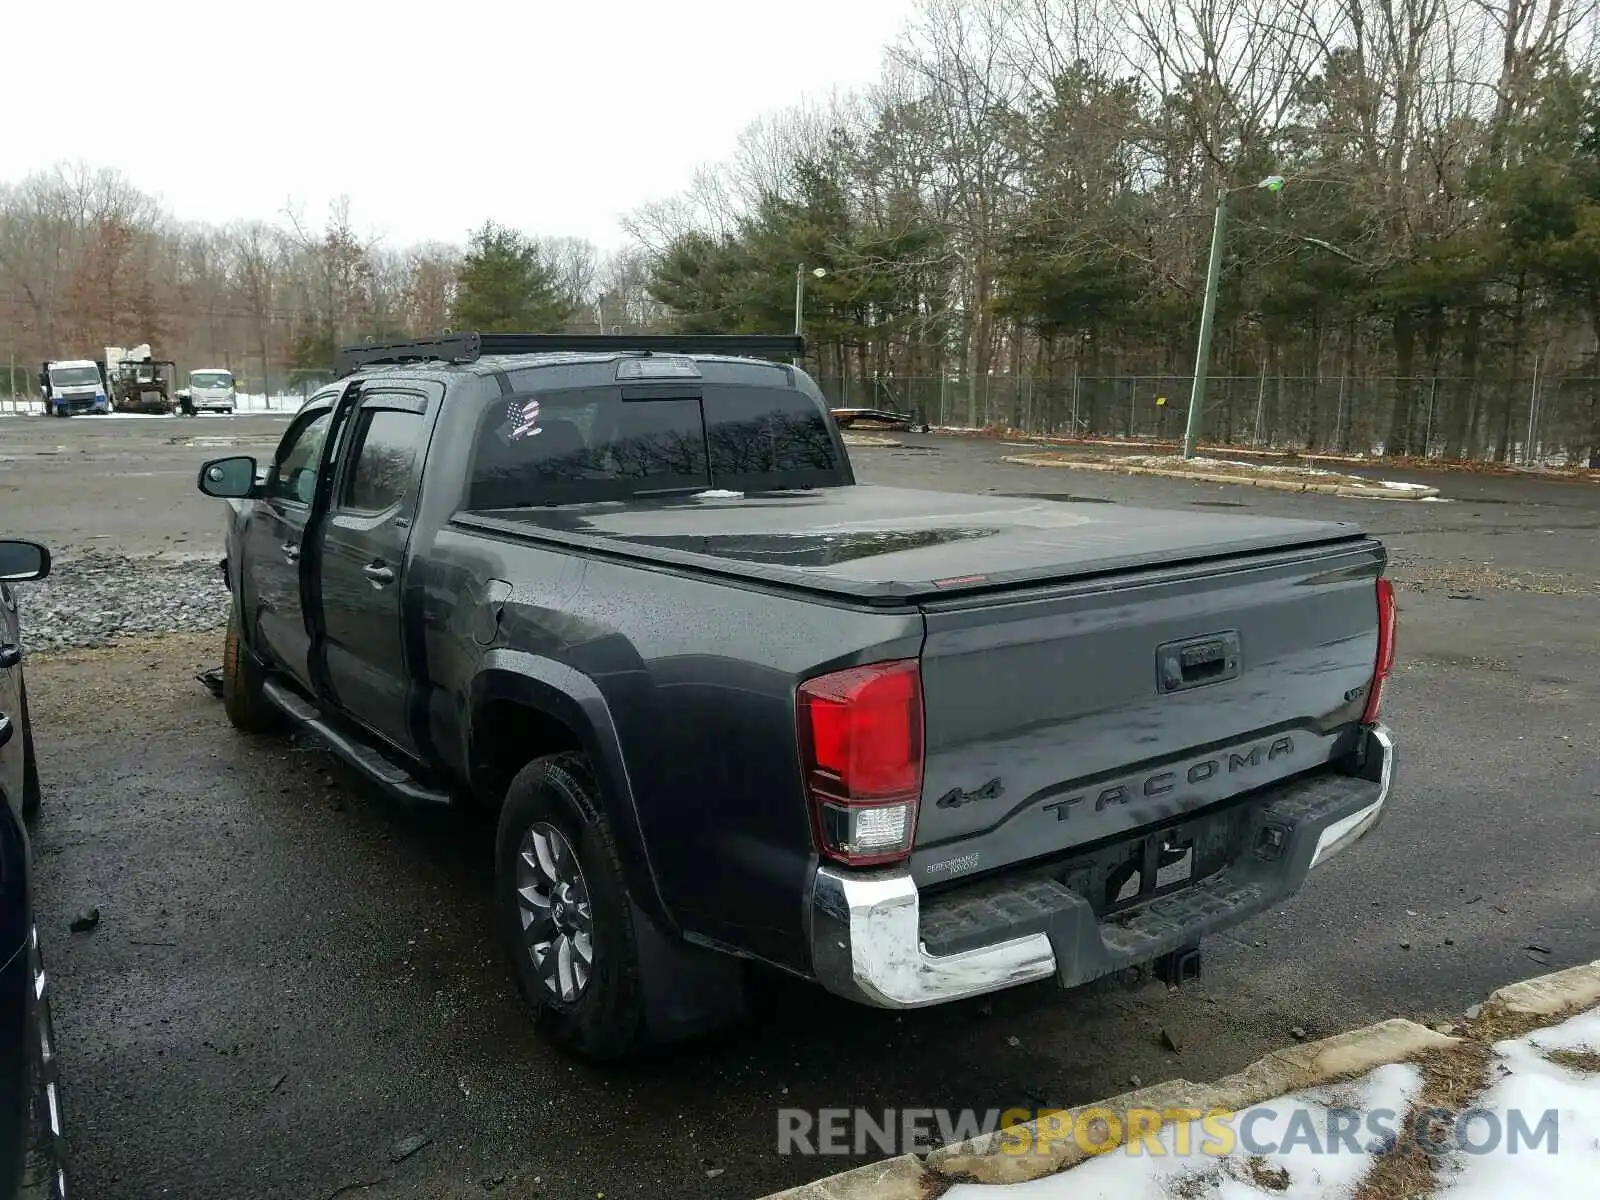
pixel 732 705
pixel 32 1150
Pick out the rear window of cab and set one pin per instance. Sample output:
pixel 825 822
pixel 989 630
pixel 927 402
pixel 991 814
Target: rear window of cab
pixel 584 445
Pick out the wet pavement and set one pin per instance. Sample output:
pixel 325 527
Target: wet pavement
pixel 293 981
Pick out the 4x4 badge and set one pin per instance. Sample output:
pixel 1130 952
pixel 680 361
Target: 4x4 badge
pixel 955 797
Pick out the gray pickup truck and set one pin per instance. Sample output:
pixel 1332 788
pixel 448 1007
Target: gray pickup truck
pixel 732 706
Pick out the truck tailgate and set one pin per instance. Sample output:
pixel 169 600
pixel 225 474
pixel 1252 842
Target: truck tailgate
pixel 1063 717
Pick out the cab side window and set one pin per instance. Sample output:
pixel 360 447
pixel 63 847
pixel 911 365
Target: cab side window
pixel 294 471
pixel 387 449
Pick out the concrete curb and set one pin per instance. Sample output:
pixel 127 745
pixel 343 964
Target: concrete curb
pixel 987 1160
pixel 1576 988
pixel 1281 485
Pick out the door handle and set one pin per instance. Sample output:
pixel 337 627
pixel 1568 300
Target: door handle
pixel 10 655
pixel 290 551
pixel 378 573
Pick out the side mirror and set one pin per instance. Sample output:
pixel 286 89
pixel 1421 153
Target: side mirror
pixel 21 562
pixel 229 478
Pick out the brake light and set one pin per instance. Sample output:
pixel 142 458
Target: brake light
pixel 1384 667
pixel 860 736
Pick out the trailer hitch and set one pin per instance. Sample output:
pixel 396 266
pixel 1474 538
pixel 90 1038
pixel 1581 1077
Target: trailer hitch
pixel 1179 966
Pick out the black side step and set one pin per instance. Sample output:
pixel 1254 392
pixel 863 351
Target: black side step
pixel 395 780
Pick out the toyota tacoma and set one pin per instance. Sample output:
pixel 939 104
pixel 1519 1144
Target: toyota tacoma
pixel 733 706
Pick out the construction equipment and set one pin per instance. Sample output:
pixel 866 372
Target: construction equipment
pixel 139 383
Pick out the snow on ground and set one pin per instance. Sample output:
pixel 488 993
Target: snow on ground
pixel 1177 460
pixel 285 403
pixel 1145 1175
pixel 1531 1083
pixel 278 402
pixel 1522 1085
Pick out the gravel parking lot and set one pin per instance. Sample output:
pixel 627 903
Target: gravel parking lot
pixel 293 982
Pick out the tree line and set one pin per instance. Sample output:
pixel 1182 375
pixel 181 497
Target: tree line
pixel 1013 224
pixel 88 260
pixel 1030 191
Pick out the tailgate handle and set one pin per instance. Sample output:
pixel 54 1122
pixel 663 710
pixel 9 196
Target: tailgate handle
pixel 1195 662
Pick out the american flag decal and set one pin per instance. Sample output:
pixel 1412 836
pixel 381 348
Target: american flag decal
pixel 524 416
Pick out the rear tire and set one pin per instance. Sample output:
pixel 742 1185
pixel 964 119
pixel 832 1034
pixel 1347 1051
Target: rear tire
pixel 243 699
pixel 558 877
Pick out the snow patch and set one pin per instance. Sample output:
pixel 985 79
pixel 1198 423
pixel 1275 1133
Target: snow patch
pixel 1145 1175
pixel 1177 460
pixel 1530 1083
pixel 1552 1159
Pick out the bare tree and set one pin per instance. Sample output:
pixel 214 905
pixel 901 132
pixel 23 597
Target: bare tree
pixel 957 52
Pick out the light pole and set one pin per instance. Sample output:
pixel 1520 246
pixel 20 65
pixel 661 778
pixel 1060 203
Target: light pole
pixel 1208 310
pixel 800 296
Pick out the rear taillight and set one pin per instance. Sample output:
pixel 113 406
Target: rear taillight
pixel 861 751
pixel 1385 664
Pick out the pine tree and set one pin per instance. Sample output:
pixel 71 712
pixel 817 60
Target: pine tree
pixel 504 287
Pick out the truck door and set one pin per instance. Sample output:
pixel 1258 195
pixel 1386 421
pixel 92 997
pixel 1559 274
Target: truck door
pixel 363 556
pixel 274 542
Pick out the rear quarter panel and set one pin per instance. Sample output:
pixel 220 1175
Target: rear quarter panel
pixel 698 678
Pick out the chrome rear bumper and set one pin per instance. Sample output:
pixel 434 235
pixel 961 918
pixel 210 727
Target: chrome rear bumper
pixel 866 926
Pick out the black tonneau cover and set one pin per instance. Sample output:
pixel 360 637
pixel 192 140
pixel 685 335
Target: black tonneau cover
pixel 899 545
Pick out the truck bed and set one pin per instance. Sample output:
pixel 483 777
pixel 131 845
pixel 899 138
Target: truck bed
pixel 903 545
pixel 1087 675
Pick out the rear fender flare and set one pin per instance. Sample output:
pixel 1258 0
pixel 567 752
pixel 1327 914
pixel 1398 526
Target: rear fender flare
pixel 558 691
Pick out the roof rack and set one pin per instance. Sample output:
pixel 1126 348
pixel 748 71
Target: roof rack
pixel 468 347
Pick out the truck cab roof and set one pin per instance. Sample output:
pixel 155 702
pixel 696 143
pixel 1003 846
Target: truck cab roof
pixel 470 349
pixel 604 367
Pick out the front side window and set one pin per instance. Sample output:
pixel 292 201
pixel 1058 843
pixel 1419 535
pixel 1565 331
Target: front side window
pixel 294 471
pixel 388 447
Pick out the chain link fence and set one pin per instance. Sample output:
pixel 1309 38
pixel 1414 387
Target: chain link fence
pixel 1544 418
pixel 1550 419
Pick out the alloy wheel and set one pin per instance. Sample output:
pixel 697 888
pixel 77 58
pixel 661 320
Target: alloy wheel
pixel 554 909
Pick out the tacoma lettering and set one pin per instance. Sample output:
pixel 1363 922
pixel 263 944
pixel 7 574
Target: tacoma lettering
pixel 1162 782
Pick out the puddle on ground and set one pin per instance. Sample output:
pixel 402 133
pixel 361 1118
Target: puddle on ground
pixel 1060 497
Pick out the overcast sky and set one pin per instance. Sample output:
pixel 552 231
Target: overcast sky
pixel 555 116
